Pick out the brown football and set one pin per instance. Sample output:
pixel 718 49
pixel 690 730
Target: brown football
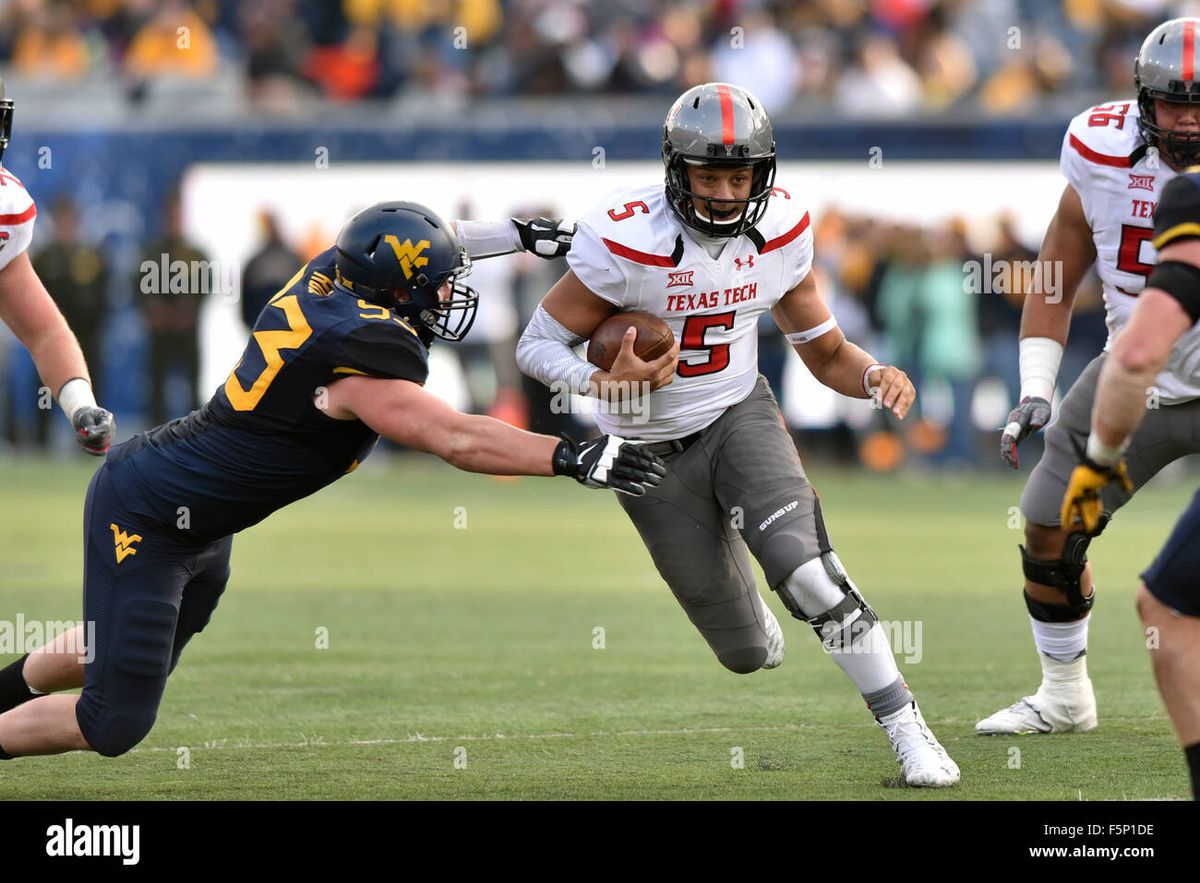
pixel 654 338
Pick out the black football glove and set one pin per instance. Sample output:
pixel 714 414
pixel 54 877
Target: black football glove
pixel 1029 416
pixel 547 238
pixel 609 462
pixel 94 428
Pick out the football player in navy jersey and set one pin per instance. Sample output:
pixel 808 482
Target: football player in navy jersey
pixel 336 359
pixel 1168 601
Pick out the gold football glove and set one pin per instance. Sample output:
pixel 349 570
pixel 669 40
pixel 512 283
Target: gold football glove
pixel 1082 501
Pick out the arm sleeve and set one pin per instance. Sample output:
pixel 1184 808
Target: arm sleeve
pixel 546 353
pixel 596 266
pixel 383 349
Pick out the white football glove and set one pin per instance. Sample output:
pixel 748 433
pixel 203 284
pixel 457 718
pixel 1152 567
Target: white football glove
pixel 547 238
pixel 609 462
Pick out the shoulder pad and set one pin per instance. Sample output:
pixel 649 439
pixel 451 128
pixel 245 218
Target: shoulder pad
pixel 785 221
pixel 636 225
pixel 1105 135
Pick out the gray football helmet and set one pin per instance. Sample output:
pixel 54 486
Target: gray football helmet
pixel 1168 67
pixel 6 115
pixel 718 124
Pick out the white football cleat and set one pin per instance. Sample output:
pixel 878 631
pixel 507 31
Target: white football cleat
pixel 1059 708
pixel 924 763
pixel 774 636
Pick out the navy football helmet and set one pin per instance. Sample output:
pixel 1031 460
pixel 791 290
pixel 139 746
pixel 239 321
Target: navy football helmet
pixel 6 115
pixel 400 255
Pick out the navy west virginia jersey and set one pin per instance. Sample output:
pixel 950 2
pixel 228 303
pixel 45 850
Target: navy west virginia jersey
pixel 1177 215
pixel 260 443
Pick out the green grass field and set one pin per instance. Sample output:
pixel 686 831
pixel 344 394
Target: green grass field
pixel 451 646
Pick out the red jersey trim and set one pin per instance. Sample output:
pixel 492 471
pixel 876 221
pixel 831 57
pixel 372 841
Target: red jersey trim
pixel 11 220
pixel 790 235
pixel 1103 159
pixel 643 257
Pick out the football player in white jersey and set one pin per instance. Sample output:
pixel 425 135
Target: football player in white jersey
pixel 27 308
pixel 1116 158
pixel 709 253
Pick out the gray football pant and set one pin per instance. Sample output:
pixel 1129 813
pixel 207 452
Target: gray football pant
pixel 1166 433
pixel 740 489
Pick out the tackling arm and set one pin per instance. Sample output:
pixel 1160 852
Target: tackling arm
pixel 405 413
pixel 836 362
pixel 545 237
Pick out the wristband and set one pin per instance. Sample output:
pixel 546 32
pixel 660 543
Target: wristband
pixel 1104 455
pixel 76 393
pixel 866 389
pixel 1040 358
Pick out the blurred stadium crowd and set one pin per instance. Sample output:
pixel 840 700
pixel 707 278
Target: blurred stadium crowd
pixel 897 288
pixel 867 57
pixel 901 290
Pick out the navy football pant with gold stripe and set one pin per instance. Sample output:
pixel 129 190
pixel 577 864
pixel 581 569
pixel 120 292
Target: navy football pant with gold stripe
pixel 147 593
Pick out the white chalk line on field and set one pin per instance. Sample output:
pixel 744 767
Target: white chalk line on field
pixel 415 738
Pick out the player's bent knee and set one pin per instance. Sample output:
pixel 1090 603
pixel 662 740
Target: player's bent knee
pixel 1042 541
pixel 1062 574
pixel 820 593
pixel 1149 608
pixel 115 733
pixel 744 660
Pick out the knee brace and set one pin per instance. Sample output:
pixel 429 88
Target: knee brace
pixel 823 585
pixel 1062 574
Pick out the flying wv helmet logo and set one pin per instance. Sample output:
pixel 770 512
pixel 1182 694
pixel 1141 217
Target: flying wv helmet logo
pixel 124 543
pixel 407 254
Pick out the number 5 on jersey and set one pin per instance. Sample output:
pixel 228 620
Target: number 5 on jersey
pixel 694 330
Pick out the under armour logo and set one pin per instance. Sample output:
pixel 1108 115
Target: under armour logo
pixel 124 543
pixel 749 262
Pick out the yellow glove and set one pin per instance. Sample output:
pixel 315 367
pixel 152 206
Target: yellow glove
pixel 1082 500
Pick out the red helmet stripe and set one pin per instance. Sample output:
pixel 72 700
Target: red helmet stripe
pixel 1189 50
pixel 726 113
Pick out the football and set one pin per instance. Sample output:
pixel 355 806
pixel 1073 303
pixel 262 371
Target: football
pixel 654 338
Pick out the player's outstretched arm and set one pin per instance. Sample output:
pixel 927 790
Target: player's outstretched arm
pixel 837 363
pixel 405 413
pixel 1066 254
pixel 547 238
pixel 27 308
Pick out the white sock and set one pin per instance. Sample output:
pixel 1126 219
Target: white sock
pixel 1060 641
pixel 868 661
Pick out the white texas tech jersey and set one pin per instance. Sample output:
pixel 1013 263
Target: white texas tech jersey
pixel 17 212
pixel 1119 179
pixel 634 252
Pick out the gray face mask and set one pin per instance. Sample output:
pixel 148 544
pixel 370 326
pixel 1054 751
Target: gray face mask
pixel 718 124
